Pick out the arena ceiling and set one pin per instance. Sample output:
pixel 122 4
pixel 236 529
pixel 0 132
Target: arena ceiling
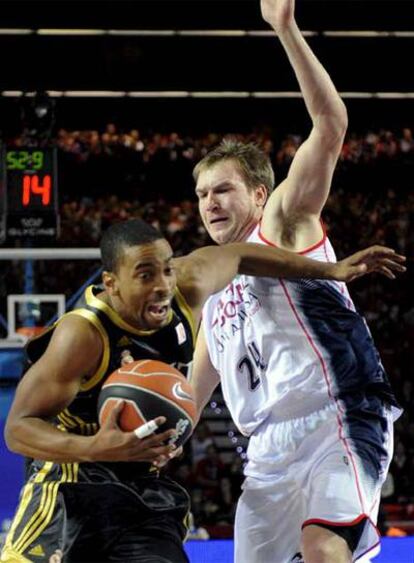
pixel 181 14
pixel 189 63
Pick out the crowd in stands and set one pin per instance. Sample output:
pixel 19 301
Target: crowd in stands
pixel 114 175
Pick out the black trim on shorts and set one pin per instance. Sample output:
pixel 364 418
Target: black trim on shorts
pixel 350 533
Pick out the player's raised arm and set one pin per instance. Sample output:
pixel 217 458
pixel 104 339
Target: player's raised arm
pixel 306 188
pixel 208 270
pixel 50 385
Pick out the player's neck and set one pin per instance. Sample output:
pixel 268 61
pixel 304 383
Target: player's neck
pixel 248 229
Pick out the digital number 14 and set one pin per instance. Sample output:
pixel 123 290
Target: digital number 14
pixel 32 185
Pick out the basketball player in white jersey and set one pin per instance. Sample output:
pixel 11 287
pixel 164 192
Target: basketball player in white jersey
pixel 297 365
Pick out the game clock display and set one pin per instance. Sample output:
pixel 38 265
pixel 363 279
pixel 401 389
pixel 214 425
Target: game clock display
pixel 31 202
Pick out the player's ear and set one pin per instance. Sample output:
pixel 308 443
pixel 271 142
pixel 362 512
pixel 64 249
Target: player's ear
pixel 261 195
pixel 110 282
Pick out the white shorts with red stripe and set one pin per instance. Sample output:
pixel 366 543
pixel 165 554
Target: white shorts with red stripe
pixel 314 469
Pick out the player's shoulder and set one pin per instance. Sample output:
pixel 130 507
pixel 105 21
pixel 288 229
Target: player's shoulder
pixel 77 329
pixel 74 320
pixel 72 343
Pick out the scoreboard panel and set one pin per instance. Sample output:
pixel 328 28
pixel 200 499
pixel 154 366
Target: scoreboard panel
pixel 30 192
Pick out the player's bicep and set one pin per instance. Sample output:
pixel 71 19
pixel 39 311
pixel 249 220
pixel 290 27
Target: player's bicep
pixel 204 378
pixel 54 380
pixel 306 188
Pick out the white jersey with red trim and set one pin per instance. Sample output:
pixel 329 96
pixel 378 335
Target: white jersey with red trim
pixel 288 347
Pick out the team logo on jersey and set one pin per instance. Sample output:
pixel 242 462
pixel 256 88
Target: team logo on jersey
pixel 37 551
pixel 126 357
pixel 181 334
pixel 123 341
pixel 237 303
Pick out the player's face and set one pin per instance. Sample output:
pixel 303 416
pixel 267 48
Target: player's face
pixel 144 285
pixel 228 208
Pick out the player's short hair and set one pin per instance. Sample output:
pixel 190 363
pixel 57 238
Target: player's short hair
pixel 254 163
pixel 120 235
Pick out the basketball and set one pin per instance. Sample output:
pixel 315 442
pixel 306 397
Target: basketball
pixel 149 389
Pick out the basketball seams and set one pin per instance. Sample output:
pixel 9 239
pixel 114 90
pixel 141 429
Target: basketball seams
pixel 154 394
pixel 105 404
pixel 140 374
pixel 137 368
pixel 164 387
pixel 136 408
pixel 136 365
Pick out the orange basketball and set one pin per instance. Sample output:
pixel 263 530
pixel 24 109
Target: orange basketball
pixel 149 389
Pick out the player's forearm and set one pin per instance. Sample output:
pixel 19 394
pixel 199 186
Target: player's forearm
pixel 204 378
pixel 36 438
pixel 265 261
pixel 203 388
pixel 322 100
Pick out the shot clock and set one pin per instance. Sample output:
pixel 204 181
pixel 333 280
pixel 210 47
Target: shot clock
pixel 31 196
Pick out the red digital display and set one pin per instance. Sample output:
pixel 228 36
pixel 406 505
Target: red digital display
pixel 35 187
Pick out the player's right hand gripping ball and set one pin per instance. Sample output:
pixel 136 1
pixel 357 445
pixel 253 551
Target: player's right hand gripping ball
pixel 149 389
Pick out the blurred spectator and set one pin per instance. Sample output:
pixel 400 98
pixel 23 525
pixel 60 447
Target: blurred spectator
pixel 201 440
pixel 211 479
pixel 209 472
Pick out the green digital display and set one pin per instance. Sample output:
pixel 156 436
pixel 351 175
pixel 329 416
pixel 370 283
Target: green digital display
pixel 24 160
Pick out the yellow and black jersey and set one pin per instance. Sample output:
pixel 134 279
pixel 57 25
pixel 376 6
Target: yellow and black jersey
pixel 61 504
pixel 173 344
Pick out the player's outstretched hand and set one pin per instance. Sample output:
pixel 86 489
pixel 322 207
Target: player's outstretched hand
pixel 278 13
pixel 378 259
pixel 110 443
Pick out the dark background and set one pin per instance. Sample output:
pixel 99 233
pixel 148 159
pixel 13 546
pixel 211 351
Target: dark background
pixel 202 14
pixel 36 62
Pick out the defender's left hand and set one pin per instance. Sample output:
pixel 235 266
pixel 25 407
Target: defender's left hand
pixel 379 259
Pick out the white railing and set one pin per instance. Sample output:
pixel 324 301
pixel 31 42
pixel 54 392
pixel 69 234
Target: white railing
pixel 49 254
pixel 59 32
pixel 218 94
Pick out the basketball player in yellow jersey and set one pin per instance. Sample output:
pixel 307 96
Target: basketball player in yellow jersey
pixel 82 502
